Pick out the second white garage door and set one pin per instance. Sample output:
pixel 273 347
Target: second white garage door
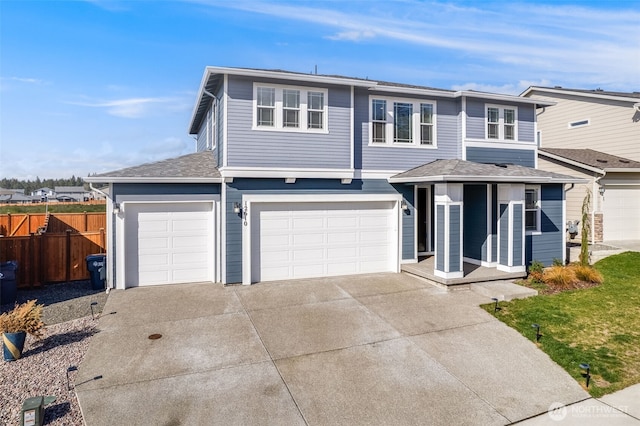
pixel 168 243
pixel 322 239
pixel 621 206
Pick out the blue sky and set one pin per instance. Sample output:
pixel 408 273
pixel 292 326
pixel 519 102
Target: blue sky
pixel 93 86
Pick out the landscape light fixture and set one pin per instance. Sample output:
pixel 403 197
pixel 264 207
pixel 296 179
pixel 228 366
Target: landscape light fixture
pixel 538 335
pixel 71 368
pixel 496 308
pixel 92 305
pixel 586 371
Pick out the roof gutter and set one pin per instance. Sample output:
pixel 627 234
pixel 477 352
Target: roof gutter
pixel 122 179
pixel 505 179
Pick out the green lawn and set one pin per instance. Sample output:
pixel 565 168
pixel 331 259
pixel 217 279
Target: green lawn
pixel 53 208
pixel 599 326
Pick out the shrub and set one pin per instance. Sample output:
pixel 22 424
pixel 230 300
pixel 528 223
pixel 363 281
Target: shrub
pixel 536 271
pixel 560 276
pixel 587 274
pixel 25 317
pixel 557 262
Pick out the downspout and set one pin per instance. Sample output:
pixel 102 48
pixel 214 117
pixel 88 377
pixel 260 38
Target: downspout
pixel 593 212
pixel 106 196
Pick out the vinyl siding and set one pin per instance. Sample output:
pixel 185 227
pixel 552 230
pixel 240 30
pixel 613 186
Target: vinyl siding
pixel 455 229
pixel 548 245
pixel 235 191
pixel 494 223
pixel 521 157
pixel 614 126
pixel 203 134
pixel 476 119
pixel 403 158
pixel 269 148
pixel 504 234
pixel 517 234
pixel 164 189
pixel 475 221
pixel 440 238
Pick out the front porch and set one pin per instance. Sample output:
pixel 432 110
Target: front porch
pixel 472 273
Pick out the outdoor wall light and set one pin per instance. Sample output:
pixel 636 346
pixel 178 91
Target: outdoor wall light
pixel 601 190
pixel 496 308
pixel 404 206
pixel 237 208
pixel 116 208
pixel 586 371
pixel 538 335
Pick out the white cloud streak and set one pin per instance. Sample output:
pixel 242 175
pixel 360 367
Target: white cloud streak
pixel 132 107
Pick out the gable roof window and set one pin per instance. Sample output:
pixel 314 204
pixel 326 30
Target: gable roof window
pixel 502 122
pixel 282 108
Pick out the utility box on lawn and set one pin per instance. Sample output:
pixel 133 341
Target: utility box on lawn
pixel 8 282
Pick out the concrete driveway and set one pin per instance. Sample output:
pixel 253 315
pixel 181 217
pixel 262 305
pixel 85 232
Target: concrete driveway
pixel 368 349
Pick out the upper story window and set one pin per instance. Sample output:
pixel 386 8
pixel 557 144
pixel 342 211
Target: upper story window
pixel 502 122
pixel 402 122
pixel 290 108
pixel 532 208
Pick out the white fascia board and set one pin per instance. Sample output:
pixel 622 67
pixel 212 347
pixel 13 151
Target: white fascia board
pixel 317 198
pixel 572 162
pixel 575 93
pixel 261 172
pixel 619 170
pixel 152 180
pixel 201 90
pixel 414 91
pixel 376 174
pixel 505 98
pixel 290 76
pixel 506 179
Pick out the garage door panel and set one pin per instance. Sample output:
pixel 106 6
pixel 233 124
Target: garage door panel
pixel 322 239
pixel 621 210
pixel 168 243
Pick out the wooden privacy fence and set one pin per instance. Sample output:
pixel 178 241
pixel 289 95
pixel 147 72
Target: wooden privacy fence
pixel 51 257
pixel 22 224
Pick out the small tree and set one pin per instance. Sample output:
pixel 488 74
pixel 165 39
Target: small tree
pixel 586 229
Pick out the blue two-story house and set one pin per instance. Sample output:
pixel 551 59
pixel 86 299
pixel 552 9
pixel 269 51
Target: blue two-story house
pixel 305 175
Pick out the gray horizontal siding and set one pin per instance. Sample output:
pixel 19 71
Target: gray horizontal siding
pixel 239 187
pixel 504 234
pixel 517 234
pixel 403 158
pixel 262 148
pixel 547 246
pixel 455 229
pixel 164 188
pixel 476 119
pixel 440 237
pixel 520 157
pixel 203 134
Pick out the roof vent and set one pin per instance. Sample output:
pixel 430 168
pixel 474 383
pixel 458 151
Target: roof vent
pixel 599 90
pixel 624 161
pixel 503 165
pixel 557 87
pixel 600 160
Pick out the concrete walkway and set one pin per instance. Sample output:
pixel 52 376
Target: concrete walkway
pixel 369 349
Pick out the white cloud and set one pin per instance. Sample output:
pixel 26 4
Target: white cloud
pixel 508 88
pixel 352 35
pixel 135 107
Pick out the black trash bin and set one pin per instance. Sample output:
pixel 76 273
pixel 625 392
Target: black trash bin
pixel 8 282
pixel 96 265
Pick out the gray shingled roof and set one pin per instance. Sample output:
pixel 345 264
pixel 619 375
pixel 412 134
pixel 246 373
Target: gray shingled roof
pixel 591 158
pixel 468 171
pixel 594 91
pixel 198 166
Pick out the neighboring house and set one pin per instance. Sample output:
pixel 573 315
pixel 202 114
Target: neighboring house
pixel 594 134
pixel 71 193
pixel 15 196
pixel 43 194
pixel 305 175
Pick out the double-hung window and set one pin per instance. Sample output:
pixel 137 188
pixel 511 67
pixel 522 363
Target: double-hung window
pixel 402 122
pixel 532 208
pixel 502 122
pixel 290 108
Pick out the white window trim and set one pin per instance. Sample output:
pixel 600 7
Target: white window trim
pixel 278 113
pixel 579 123
pixel 389 126
pixel 213 118
pixel 501 124
pixel 538 229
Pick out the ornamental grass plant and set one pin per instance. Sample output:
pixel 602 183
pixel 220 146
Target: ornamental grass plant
pixel 25 317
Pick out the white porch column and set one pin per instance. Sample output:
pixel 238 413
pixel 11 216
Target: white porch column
pixel 511 234
pixel 448 230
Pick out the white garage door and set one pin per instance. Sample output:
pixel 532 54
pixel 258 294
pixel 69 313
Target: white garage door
pixel 621 210
pixel 322 239
pixel 168 243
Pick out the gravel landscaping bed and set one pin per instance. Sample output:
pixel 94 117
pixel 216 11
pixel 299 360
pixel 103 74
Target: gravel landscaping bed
pixel 42 370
